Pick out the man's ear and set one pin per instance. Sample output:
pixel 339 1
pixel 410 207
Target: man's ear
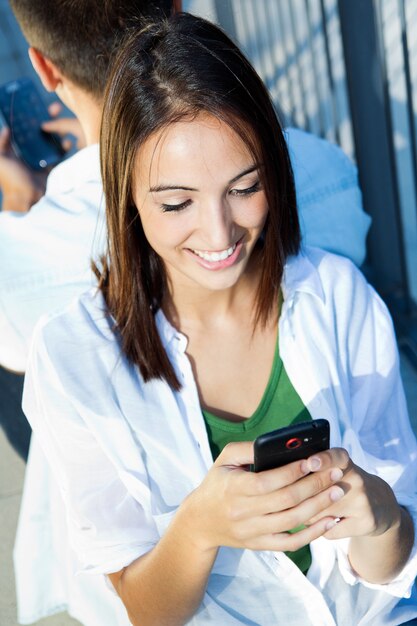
pixel 47 71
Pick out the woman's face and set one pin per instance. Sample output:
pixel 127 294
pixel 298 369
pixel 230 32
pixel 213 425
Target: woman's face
pixel 199 197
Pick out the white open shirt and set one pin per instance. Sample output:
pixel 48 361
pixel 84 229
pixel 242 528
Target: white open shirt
pixel 126 453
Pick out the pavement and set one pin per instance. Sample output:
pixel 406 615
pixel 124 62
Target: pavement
pixel 12 471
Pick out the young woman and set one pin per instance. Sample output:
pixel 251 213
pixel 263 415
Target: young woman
pixel 210 327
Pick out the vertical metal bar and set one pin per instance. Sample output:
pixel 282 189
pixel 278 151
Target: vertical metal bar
pixel 267 54
pixel 274 57
pixel 248 41
pixel 225 17
pixel 410 97
pixel 262 67
pixel 297 65
pixel 287 62
pixel 333 100
pixel 322 124
pixel 392 159
pixel 373 139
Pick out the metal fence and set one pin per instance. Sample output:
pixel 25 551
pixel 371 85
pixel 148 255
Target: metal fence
pixel 347 70
pixel 397 25
pixel 296 47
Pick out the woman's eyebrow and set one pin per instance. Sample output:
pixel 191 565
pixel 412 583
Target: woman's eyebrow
pixel 157 188
pixel 249 170
pixel 171 188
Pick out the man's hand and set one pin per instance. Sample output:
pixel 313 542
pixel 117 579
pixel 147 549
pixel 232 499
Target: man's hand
pixel 20 187
pixel 64 126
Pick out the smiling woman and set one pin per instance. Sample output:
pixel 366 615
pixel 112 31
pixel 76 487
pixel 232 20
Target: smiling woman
pixel 199 106
pixel 211 327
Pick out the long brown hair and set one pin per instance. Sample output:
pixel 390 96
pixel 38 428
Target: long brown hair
pixel 172 69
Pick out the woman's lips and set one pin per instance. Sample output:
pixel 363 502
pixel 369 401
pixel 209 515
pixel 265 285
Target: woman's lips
pixel 218 259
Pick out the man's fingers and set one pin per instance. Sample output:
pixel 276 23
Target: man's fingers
pixel 4 140
pixel 67 144
pixel 54 109
pixel 63 126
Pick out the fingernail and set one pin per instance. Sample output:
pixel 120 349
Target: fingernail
pixel 336 474
pixel 336 494
pixel 305 468
pixel 314 463
pixel 332 523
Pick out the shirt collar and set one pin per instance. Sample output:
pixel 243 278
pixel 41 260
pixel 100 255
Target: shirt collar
pixel 80 168
pixel 300 274
pixel 168 333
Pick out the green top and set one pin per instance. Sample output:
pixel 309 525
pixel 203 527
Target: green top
pixel 280 406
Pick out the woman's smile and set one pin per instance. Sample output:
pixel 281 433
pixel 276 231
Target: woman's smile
pixel 218 259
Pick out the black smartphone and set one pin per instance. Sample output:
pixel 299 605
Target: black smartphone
pixel 291 443
pixel 23 111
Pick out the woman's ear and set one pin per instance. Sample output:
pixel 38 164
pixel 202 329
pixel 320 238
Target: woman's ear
pixel 49 74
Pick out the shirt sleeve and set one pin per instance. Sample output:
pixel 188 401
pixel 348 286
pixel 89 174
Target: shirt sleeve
pixel 45 253
pixel 108 527
pixel 380 431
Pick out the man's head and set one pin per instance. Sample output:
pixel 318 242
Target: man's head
pixel 80 36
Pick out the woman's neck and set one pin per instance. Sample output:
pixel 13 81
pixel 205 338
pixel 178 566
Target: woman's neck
pixel 188 306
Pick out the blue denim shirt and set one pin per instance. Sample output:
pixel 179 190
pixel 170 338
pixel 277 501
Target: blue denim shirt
pixel 328 196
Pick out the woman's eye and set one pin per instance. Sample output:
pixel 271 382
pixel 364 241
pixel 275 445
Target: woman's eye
pixel 248 191
pixel 175 207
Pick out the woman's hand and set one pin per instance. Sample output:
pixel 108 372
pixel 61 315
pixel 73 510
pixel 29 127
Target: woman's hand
pixel 369 506
pixel 234 507
pixel 381 532
pixel 231 507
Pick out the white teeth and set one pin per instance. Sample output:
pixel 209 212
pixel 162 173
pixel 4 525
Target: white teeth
pixel 215 256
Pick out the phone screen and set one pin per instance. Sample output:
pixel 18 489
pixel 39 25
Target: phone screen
pixel 23 112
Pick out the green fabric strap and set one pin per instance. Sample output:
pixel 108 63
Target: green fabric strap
pixel 280 406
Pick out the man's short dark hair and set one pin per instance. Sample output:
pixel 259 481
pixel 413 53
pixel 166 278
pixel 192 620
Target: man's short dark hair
pixel 81 36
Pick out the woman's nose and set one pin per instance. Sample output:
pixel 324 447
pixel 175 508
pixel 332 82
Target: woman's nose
pixel 216 224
